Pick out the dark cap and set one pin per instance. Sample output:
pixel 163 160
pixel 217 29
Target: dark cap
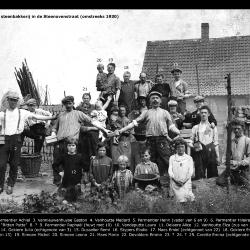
pixel 68 98
pixel 155 93
pixel 176 69
pixel 141 97
pixel 199 98
pixel 31 101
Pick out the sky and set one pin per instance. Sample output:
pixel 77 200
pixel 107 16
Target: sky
pixel 63 52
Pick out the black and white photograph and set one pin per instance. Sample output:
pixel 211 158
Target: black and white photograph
pixel 125 112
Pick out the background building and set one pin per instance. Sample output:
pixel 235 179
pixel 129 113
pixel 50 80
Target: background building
pixel 205 61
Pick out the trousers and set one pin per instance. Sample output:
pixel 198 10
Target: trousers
pixel 10 152
pixel 36 132
pixel 160 152
pixel 60 148
pixel 237 177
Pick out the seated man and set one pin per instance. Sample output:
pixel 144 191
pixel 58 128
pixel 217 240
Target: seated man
pixel 240 158
pixel 36 129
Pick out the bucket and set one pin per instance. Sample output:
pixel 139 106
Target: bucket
pixel 146 179
pixel 30 165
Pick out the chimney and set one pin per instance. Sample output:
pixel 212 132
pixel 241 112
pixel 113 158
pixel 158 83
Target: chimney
pixel 205 31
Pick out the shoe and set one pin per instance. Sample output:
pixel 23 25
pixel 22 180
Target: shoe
pixel 9 190
pixel 1 190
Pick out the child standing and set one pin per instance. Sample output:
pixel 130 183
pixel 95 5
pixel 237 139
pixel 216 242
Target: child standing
pixel 101 80
pixel 146 166
pixel 181 167
pixel 71 163
pixel 123 177
pixel 101 167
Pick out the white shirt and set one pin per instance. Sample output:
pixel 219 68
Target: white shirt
pixel 177 83
pixel 12 121
pixel 31 122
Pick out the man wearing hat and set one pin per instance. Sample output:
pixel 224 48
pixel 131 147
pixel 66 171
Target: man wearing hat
pixel 195 118
pixel 68 125
pixel 12 120
pixel 163 88
pixel 179 89
pixel 36 129
pixel 177 118
pixel 158 123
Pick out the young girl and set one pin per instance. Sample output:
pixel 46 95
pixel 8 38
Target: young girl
pixel 123 177
pixel 180 170
pixel 101 167
pixel 100 115
pixel 146 166
pixel 71 163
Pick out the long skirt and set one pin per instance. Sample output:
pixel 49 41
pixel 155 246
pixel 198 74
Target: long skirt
pixel 184 193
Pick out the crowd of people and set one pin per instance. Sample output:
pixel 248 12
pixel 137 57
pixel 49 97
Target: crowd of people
pixel 133 128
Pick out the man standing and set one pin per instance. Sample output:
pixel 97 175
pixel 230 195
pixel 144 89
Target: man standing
pixel 36 129
pixel 163 88
pixel 205 147
pixel 127 96
pixel 240 158
pixel 68 125
pixel 113 86
pixel 12 121
pixel 195 117
pixel 143 87
pixel 179 89
pixel 158 122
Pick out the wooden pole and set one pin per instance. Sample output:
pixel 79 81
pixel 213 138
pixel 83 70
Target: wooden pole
pixel 197 76
pixel 229 130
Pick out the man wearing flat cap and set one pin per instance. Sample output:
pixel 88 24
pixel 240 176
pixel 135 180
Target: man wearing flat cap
pixel 177 118
pixel 158 123
pixel 67 126
pixel 179 89
pixel 195 118
pixel 36 129
pixel 163 88
pixel 12 120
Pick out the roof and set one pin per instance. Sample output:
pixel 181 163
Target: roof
pixel 214 59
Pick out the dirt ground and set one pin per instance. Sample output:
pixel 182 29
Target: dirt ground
pixel 28 186
pixel 44 182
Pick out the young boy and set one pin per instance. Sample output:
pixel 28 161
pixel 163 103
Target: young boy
pixel 101 80
pixel 123 177
pixel 146 166
pixel 101 167
pixel 71 163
